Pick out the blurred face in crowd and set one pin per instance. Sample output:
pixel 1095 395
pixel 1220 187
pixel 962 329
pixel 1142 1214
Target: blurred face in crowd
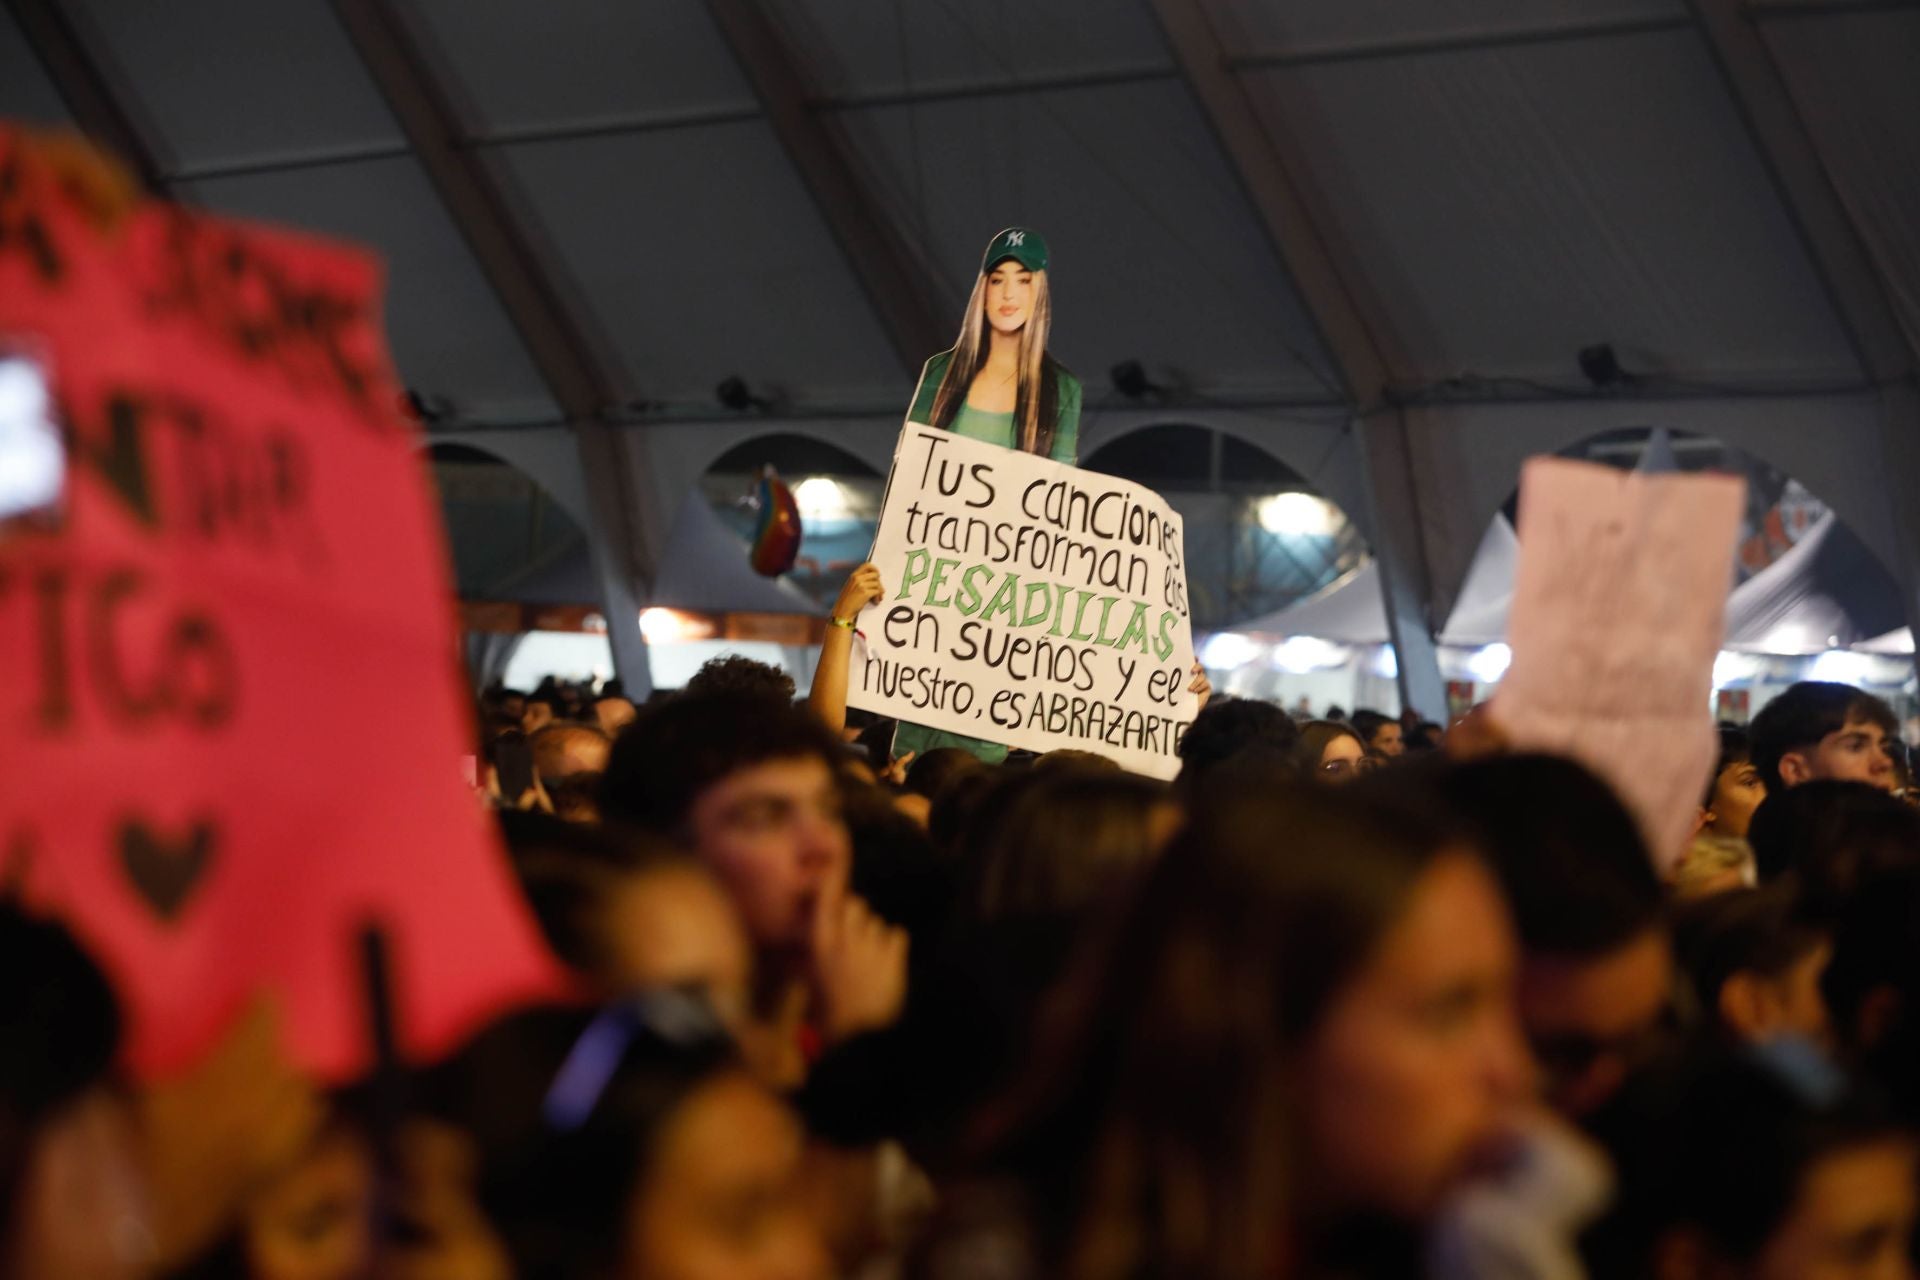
pixel 721 1200
pixel 1009 296
pixel 537 716
pixel 1592 1019
pixel 1859 751
pixel 773 833
pixel 1737 792
pixel 1414 1072
pixel 1341 759
pixel 1389 740
pixel 676 927
pixel 315 1221
pixel 81 1208
pixel 1852 1220
pixel 613 715
pixel 1762 1008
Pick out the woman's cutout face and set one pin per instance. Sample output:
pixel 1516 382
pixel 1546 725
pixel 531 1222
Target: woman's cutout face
pixel 1009 296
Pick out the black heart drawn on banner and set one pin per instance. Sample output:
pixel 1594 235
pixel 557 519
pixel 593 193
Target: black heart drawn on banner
pixel 165 872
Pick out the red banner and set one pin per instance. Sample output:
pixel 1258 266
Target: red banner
pixel 232 722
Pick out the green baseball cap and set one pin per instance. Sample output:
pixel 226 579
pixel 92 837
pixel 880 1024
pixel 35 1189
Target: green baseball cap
pixel 1023 245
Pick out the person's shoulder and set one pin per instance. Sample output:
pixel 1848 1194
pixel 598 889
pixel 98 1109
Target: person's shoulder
pixel 1063 376
pixel 937 363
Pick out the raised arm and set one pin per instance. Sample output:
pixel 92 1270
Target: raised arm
pixel 828 697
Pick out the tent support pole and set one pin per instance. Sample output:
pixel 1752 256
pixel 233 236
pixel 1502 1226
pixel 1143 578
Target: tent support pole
pixel 1393 515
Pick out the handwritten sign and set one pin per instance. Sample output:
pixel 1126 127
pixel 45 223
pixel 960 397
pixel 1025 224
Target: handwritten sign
pixel 1618 610
pixel 1029 603
pixel 231 723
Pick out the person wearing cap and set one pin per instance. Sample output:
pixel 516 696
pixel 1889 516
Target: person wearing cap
pixel 998 384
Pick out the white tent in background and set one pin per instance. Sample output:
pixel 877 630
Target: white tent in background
pixel 1894 644
pixel 705 568
pixel 1348 610
pixel 1828 592
pixel 1486 598
pixel 1352 610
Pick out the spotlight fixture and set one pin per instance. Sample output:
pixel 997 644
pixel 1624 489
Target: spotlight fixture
pixel 426 409
pixel 734 394
pixel 1601 365
pixel 1130 380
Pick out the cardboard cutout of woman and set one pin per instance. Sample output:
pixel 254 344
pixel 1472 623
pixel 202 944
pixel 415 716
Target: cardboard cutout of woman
pixel 998 384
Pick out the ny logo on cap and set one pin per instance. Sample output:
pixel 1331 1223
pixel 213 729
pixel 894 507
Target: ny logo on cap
pixel 1016 238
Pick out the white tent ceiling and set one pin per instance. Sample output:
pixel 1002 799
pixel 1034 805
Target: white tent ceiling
pixel 1494 183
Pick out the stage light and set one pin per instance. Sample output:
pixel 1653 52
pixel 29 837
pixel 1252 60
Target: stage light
pixel 1490 664
pixel 1228 651
pixel 1300 514
pixel 1601 365
pixel 1298 655
pixel 821 499
pixel 1386 663
pixel 671 626
pixel 734 394
pixel 1130 380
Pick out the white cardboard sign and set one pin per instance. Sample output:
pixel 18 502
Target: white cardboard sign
pixel 1027 602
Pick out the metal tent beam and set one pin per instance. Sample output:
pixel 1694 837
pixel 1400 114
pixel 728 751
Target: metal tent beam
pixel 75 59
pixel 1888 353
pixel 559 338
pixel 1787 149
pixel 1330 288
pixel 897 284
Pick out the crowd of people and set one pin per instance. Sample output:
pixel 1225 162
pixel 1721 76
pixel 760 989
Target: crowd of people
pixel 1350 998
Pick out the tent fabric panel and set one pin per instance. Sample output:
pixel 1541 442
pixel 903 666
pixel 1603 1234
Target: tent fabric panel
pixel 1156 255
pixel 855 49
pixel 1514 205
pixel 703 257
pixel 447 329
pixel 230 84
pixel 1828 592
pixel 1856 80
pixel 26 93
pixel 584 63
pixel 1294 26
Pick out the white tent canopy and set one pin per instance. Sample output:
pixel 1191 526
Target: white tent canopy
pixel 1827 592
pixel 1897 644
pixel 1352 609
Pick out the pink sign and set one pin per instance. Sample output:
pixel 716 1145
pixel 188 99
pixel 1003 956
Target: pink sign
pixel 1618 613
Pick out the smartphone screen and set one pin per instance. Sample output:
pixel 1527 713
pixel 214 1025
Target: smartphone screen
pixel 33 457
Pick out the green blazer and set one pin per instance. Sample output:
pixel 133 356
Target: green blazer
pixel 1066 424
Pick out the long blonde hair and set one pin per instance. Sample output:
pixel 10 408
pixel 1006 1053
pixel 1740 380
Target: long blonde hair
pixel 1036 395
